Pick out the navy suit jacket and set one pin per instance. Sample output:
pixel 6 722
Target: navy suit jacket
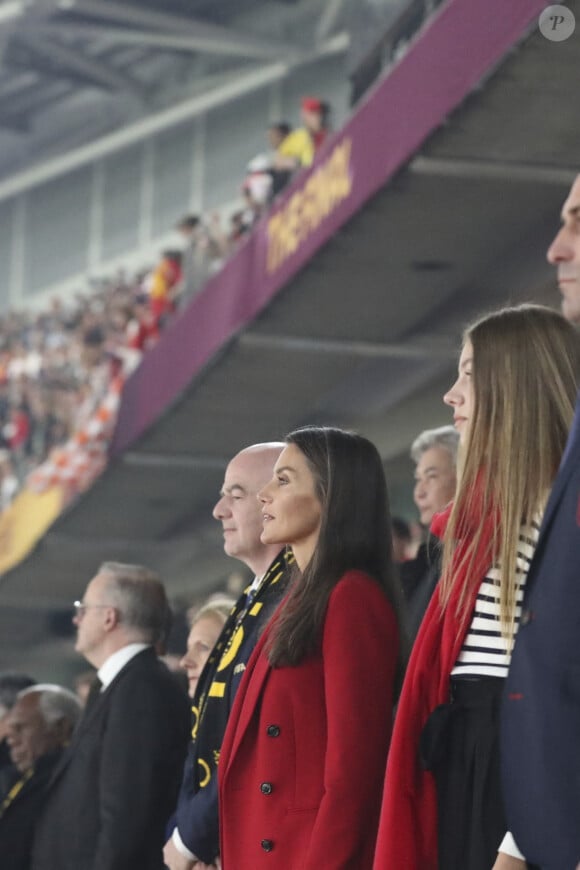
pixel 114 789
pixel 196 815
pixel 541 711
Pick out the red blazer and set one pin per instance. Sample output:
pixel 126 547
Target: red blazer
pixel 302 763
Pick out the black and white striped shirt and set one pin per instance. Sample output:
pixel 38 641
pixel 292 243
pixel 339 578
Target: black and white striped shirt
pixel 485 651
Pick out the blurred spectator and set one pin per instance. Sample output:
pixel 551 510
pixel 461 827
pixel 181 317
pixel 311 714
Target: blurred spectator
pixel 299 147
pixel 40 725
pixel 255 193
pixel 434 452
pixel 258 184
pixel 163 282
pixel 16 432
pixel 264 179
pixel 205 628
pixel 194 266
pixel 10 685
pixel 8 480
pixel 238 229
pixel 142 329
pixel 221 243
pixel 277 134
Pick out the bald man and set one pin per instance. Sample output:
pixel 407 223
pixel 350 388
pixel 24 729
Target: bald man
pixel 195 840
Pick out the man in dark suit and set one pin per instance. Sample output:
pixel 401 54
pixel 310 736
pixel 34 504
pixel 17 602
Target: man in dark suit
pixel 39 726
pixel 114 789
pixel 195 839
pixel 541 712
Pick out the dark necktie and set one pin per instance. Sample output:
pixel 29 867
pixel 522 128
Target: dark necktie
pixel 94 693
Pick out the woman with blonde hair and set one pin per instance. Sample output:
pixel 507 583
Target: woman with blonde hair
pixel 205 626
pixel 513 404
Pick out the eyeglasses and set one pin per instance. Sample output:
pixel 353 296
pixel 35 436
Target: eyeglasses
pixel 80 607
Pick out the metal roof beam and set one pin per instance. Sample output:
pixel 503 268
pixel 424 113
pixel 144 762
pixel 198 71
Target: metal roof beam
pixel 164 460
pixel 31 99
pixel 72 63
pixel 329 19
pixel 132 36
pixel 208 37
pixel 429 348
pixel 15 123
pixel 15 85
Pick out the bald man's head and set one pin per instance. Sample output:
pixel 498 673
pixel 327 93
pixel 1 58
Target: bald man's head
pixel 238 509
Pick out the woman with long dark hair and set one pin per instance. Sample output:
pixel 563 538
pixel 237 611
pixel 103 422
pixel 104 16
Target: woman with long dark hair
pixel 302 763
pixel 513 403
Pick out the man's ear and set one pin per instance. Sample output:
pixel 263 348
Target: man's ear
pixel 112 618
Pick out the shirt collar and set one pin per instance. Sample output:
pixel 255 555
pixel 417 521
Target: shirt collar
pixel 117 661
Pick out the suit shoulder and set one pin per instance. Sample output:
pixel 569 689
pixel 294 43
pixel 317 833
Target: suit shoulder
pixel 147 675
pixel 357 589
pixel 356 582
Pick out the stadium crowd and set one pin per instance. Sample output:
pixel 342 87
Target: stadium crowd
pixel 61 376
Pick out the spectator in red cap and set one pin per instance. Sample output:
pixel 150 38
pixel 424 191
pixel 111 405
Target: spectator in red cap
pixel 315 114
pixel 299 147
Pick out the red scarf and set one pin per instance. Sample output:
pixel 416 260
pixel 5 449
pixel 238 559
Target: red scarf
pixel 408 827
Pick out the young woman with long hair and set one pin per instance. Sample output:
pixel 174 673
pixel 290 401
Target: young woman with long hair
pixel 513 404
pixel 301 766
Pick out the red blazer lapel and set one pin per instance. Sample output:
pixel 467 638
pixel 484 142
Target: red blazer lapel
pixel 256 674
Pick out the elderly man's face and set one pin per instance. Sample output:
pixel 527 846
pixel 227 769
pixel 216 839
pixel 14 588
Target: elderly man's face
pixel 435 482
pixel 564 253
pixel 29 736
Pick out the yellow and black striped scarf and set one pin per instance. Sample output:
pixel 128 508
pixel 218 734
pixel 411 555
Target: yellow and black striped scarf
pixel 224 669
pixel 15 790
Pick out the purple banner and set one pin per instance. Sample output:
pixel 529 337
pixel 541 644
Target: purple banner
pixel 463 41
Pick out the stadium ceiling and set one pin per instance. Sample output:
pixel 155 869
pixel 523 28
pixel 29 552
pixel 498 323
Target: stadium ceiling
pixel 73 70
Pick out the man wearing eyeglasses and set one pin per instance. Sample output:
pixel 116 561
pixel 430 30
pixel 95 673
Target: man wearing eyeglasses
pixel 111 795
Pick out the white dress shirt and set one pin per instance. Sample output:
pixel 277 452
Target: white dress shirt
pixel 117 661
